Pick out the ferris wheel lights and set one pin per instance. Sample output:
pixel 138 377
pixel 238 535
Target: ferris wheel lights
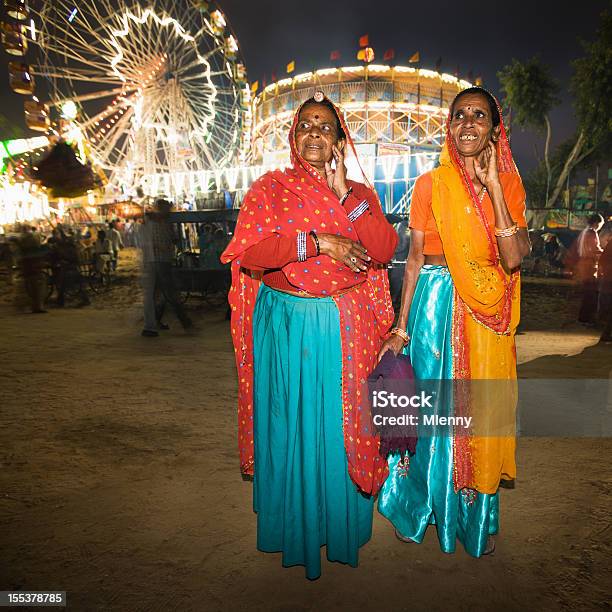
pixel 14 39
pixel 69 110
pixel 17 9
pixel 32 30
pixel 218 22
pixel 231 48
pixel 137 37
pixel 20 79
pixel 36 115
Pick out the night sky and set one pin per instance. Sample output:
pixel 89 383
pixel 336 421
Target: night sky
pixel 474 36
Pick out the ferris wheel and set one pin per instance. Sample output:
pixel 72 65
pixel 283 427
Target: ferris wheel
pixel 154 87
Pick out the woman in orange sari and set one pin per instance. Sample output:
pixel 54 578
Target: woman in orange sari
pixel 460 309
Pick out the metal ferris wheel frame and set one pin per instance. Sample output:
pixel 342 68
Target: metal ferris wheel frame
pixel 158 87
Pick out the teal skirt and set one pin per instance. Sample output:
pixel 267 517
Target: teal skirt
pixel 424 494
pixel 303 495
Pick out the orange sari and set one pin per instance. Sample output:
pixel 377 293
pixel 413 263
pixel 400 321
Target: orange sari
pixel 486 313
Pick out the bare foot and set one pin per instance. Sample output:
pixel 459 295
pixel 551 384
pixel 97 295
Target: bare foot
pixel 490 548
pixel 399 536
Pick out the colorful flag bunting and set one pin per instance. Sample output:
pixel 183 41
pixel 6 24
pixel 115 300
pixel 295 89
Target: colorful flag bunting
pixel 290 66
pixel 416 57
pixel 389 54
pixel 364 40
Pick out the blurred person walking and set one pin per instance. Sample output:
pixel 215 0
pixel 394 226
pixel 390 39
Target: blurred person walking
pixel 116 242
pixel 65 258
pixel 158 251
pixel 103 252
pixel 605 292
pixel 33 259
pixel 588 250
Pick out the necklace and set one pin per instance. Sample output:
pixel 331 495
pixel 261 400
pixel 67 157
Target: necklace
pixel 481 195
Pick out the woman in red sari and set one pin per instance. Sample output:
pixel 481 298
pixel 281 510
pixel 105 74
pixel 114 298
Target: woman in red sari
pixel 310 308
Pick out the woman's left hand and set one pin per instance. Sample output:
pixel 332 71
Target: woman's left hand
pixel 485 166
pixel 336 180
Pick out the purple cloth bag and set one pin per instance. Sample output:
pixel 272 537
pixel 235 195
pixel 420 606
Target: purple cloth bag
pixel 394 374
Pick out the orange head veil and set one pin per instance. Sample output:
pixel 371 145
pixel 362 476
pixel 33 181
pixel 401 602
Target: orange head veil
pixel 469 243
pixel 485 316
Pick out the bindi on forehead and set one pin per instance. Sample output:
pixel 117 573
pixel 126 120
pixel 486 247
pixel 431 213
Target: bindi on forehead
pixel 469 107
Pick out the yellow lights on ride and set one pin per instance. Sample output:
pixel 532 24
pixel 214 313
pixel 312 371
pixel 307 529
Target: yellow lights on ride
pixel 36 115
pixel 14 39
pixel 69 110
pixel 231 47
pixel 378 68
pixel 21 80
pixel 21 202
pixel 17 9
pixel 202 5
pixel 240 73
pixel 218 22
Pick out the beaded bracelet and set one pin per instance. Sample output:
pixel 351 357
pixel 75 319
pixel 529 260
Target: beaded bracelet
pixel 505 232
pixel 316 241
pixel 398 331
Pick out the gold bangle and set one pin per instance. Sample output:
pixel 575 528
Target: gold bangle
pixel 398 331
pixel 505 232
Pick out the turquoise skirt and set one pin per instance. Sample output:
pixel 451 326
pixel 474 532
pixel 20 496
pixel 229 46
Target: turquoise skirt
pixel 303 495
pixel 424 494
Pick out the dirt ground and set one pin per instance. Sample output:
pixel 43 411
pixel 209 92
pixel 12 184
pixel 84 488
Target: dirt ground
pixel 119 479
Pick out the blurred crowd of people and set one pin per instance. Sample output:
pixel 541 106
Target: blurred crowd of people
pixel 50 259
pixel 590 258
pixel 46 259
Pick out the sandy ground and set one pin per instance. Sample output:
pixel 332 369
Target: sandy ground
pixel 119 479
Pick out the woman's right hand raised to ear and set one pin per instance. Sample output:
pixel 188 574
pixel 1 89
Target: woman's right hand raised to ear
pixel 344 250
